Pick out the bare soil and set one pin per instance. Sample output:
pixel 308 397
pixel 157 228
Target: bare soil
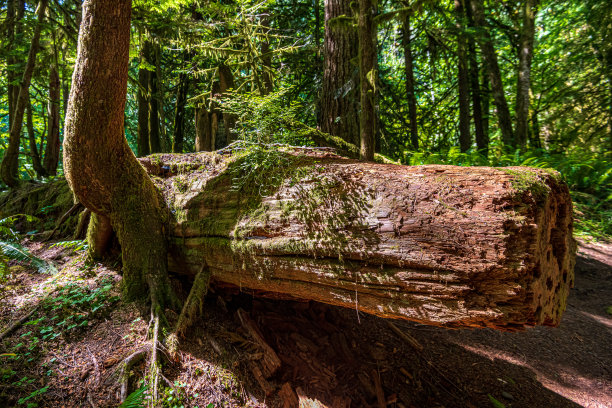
pixel 330 356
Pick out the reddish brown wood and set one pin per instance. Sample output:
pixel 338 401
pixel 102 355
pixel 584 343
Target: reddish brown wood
pixel 443 245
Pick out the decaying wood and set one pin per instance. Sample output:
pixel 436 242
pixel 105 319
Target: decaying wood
pixel 443 245
pixel 270 362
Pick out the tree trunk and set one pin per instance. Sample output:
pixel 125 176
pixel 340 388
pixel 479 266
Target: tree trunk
pixel 9 168
pixel 524 72
pixel 368 76
pixel 179 113
pixel 410 89
pixel 465 139
pixel 482 136
pixel 205 132
pixel 152 89
pixel 497 88
pixel 143 109
pixel 226 82
pixel 36 164
pixel 52 149
pixel 10 59
pixel 444 245
pixel 340 93
pixel 99 165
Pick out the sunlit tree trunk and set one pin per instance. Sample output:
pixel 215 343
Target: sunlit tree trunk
pixel 463 85
pixel 497 88
pixel 99 165
pixel 410 89
pixel 340 92
pixel 523 87
pixel 368 76
pixel 10 161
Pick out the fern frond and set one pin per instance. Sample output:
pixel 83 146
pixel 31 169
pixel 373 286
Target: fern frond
pixel 15 251
pixel 135 399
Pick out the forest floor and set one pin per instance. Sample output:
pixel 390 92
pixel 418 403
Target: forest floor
pixel 69 351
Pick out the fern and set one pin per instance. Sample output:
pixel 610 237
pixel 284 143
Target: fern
pixel 135 399
pixel 15 251
pixel 77 245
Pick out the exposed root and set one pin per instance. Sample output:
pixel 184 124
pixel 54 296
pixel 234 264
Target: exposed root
pixel 74 208
pixel 126 366
pixel 154 365
pixel 195 301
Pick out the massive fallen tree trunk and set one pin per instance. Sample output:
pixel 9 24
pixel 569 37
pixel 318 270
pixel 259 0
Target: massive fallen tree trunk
pixel 443 245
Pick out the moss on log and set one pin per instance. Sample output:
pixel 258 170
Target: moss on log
pixel 443 245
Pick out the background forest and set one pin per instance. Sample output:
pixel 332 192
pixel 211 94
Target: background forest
pixel 456 82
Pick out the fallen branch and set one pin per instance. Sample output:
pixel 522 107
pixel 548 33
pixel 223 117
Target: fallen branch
pixel 17 324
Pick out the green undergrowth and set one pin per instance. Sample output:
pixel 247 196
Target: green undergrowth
pixel 64 305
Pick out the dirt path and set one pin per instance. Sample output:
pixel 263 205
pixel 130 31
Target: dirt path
pixel 330 356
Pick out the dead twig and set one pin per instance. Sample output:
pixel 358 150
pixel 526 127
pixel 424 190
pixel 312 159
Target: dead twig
pixel 17 324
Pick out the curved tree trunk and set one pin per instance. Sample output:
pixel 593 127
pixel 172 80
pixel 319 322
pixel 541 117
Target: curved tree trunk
pixel 99 165
pixel 10 161
pixel 340 93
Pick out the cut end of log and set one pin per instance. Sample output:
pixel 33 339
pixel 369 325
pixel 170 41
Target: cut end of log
pixel 442 245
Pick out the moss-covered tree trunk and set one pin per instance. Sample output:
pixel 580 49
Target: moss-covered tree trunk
pixel 100 167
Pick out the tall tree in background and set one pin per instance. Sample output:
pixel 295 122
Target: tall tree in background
pixel 410 88
pixel 143 107
pixel 523 86
pixel 463 84
pixel 340 92
pixel 497 87
pixel 482 135
pixel 368 76
pixel 10 161
pixel 52 149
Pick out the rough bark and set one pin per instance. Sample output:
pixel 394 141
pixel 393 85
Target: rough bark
pixel 52 149
pixel 340 92
pixel 99 165
pixel 368 76
pixel 523 86
pixel 497 87
pixel 443 245
pixel 10 161
pixel 463 84
pixel 410 89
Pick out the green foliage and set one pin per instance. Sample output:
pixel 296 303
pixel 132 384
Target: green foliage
pixel 136 399
pixel 265 119
pixel 69 310
pixel 11 249
pixel 495 402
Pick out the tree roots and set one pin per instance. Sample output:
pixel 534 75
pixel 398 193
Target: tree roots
pixel 191 310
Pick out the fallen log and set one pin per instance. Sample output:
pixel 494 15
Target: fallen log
pixel 442 245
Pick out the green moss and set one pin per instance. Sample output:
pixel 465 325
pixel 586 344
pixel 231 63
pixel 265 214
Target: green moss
pixel 528 181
